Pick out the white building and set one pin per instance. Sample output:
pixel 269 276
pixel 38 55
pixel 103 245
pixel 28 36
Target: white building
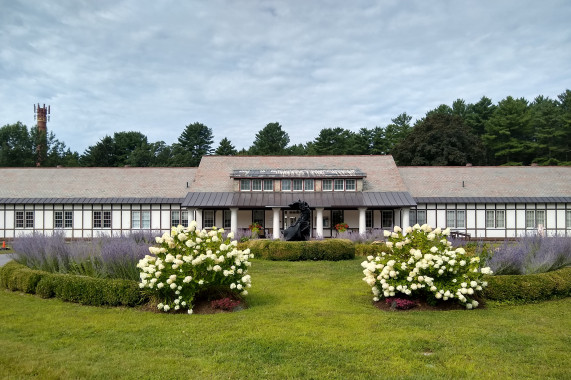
pixel 365 192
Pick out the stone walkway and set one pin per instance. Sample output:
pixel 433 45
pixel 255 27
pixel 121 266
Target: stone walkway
pixel 4 258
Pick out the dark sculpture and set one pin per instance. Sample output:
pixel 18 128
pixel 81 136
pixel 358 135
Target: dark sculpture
pixel 301 229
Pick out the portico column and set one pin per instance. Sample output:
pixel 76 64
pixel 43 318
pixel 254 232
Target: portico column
pixel 405 218
pixel 233 220
pixel 276 222
pixel 198 218
pixel 319 223
pixel 362 221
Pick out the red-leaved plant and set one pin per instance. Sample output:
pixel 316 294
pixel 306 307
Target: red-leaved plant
pixel 400 303
pixel 227 304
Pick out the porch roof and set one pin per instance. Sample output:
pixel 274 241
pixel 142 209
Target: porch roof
pixel 317 199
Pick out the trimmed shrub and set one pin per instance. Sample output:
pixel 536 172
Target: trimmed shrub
pixel 328 249
pixel 367 249
pixel 96 291
pixel 529 288
pixel 46 286
pixel 80 289
pixel 6 273
pixel 18 277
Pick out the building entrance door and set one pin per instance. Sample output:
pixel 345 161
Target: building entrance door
pixel 290 217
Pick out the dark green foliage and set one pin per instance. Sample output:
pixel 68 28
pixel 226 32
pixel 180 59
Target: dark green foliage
pixel 396 132
pixel 194 142
pixel 127 148
pixel 225 148
pixel 509 132
pixel 366 249
pixel 334 141
pixel 439 139
pixel 81 289
pixel 20 147
pixel 270 141
pixel 330 249
pixel 529 288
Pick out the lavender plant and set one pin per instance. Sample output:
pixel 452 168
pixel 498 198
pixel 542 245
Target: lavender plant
pixel 105 257
pixel 531 254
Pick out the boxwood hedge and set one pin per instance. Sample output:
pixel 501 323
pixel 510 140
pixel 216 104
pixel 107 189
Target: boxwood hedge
pixel 81 289
pixel 330 249
pixel 530 287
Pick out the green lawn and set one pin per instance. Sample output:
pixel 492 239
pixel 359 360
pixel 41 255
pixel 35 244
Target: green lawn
pixel 306 320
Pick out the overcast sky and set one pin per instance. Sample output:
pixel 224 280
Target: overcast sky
pixel 235 66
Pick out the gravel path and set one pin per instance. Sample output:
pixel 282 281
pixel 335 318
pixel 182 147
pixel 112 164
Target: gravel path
pixel 4 258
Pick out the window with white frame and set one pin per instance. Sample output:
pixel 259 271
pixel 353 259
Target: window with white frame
pixel 327 185
pixel 417 217
pixel 456 218
pixel 256 185
pixel 208 218
pixel 568 218
pixel 140 219
pixel 540 218
pixel 495 219
pixel 63 219
pixel 245 185
pixel 339 185
pixel 297 185
pixel 179 218
pixel 387 218
pixel 286 184
pixel 308 185
pixel 350 185
pixel 227 219
pixel 534 218
pixel 369 218
pixel 24 219
pixel 101 219
pixel 268 185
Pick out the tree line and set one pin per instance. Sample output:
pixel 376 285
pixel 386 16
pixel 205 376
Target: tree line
pixel 511 132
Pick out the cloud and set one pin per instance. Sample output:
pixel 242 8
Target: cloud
pixel 156 67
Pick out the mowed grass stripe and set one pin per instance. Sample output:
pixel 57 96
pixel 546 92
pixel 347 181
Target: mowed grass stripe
pixel 306 320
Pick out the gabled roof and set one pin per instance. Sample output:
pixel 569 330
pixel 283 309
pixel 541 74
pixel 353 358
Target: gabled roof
pixel 490 182
pixel 214 172
pixel 65 183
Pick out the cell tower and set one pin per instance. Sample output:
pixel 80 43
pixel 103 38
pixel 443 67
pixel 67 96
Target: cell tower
pixel 42 115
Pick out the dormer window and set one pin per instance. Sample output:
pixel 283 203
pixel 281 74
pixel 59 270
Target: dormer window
pixel 256 185
pixel 299 180
pixel 297 185
pixel 308 185
pixel 350 185
pixel 244 185
pixel 268 185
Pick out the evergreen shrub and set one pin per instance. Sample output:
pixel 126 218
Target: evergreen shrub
pixel 529 288
pixel 366 249
pixel 72 288
pixel 277 250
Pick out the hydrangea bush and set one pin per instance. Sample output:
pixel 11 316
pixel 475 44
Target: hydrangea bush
pixel 421 263
pixel 188 261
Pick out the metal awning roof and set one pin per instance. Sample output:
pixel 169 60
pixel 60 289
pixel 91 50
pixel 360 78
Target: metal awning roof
pixel 492 199
pixel 283 199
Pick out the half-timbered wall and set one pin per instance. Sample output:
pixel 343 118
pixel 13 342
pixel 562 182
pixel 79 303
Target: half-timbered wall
pixel 121 219
pixel 517 218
